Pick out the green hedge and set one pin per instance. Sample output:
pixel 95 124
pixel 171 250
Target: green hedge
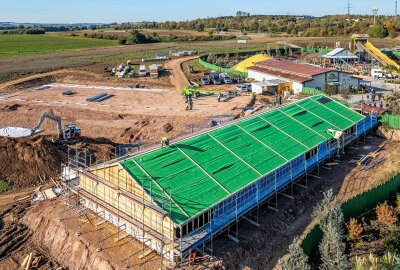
pixel 392 121
pixel 316 50
pixel 311 91
pixel 353 208
pixel 220 69
pixel 204 63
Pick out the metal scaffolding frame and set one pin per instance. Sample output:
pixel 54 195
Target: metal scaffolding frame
pixel 240 204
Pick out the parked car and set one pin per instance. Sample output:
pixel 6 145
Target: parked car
pixel 214 78
pixel 244 87
pixel 237 80
pixel 225 78
pixel 204 80
pixel 377 73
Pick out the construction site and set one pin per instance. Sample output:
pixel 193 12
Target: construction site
pixel 175 162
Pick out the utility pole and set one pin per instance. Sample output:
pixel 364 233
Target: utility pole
pixel 349 6
pixel 395 10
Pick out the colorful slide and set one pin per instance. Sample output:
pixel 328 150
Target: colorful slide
pixel 377 54
pixel 249 62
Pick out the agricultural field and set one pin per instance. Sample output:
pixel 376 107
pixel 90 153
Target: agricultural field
pixel 16 45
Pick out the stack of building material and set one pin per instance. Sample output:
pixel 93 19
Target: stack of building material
pixel 18 132
pixel 99 97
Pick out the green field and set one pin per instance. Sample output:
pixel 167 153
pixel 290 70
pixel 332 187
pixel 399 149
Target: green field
pixel 15 45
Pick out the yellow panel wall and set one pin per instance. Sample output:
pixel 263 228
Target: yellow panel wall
pixel 119 177
pixel 129 207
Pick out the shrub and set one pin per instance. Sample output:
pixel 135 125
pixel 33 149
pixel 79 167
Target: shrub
pixel 122 40
pixel 355 229
pixel 4 186
pixel 35 31
pixel 386 215
pixel 392 241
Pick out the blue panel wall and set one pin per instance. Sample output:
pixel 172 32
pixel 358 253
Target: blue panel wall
pixel 243 201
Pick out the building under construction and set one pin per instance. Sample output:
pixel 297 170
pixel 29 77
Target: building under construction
pixel 176 199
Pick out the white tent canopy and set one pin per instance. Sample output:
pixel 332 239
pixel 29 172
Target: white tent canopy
pixel 340 53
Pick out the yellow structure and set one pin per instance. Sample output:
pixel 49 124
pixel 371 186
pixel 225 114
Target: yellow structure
pixel 111 192
pixel 361 42
pixel 249 62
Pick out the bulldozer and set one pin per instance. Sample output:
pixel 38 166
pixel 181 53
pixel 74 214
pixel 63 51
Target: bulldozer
pixel 69 134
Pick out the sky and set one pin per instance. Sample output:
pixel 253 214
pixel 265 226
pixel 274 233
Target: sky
pixel 107 11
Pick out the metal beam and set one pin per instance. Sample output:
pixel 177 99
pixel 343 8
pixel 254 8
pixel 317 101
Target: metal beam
pixel 262 142
pixel 287 134
pixel 325 139
pixel 235 154
pixel 318 116
pixel 333 110
pixel 209 175
pixel 165 193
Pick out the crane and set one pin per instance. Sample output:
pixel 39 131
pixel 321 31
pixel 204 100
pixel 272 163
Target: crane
pixel 69 134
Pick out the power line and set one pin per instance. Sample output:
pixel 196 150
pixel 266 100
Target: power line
pixel 349 7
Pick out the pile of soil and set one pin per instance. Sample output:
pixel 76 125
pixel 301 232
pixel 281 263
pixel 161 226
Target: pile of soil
pixel 28 161
pixel 10 108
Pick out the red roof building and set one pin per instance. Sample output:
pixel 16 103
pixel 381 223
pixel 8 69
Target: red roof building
pixel 301 75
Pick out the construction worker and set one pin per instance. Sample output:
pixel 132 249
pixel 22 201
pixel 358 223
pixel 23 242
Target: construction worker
pixel 164 142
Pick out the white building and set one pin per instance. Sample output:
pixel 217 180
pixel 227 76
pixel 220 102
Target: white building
pixel 301 75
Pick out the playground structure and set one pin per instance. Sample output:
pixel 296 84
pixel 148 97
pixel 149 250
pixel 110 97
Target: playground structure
pixel 361 44
pixel 176 199
pixel 249 62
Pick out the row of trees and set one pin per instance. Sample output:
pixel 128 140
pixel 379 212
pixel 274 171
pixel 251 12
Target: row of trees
pixel 136 37
pixel 29 31
pixel 332 249
pixel 339 25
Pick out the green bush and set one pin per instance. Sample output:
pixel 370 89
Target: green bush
pixel 392 241
pixel 4 186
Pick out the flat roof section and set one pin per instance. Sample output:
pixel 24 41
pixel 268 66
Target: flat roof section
pixel 192 175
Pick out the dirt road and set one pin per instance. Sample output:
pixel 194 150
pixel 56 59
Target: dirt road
pixel 178 77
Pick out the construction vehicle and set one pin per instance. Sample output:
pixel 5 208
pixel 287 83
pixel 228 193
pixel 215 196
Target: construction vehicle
pixel 69 134
pixel 191 69
pixel 195 91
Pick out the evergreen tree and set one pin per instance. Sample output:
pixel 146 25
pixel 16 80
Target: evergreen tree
pixel 331 220
pixel 297 260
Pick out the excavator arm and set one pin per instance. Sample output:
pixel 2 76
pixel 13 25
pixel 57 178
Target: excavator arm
pixel 193 90
pixel 51 117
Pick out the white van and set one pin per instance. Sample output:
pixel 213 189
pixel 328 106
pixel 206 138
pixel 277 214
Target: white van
pixel 142 71
pixel 377 73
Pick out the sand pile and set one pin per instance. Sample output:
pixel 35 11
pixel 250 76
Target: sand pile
pixel 26 162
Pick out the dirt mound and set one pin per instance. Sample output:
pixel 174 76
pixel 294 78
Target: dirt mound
pixel 10 108
pixel 26 162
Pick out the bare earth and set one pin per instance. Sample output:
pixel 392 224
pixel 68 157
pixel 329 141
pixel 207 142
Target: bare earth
pixel 127 117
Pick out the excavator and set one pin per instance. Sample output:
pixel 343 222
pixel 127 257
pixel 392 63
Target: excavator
pixel 194 91
pixel 68 135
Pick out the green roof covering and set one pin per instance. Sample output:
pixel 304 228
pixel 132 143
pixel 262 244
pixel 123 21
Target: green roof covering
pixel 194 174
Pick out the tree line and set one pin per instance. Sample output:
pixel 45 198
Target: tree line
pixel 337 25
